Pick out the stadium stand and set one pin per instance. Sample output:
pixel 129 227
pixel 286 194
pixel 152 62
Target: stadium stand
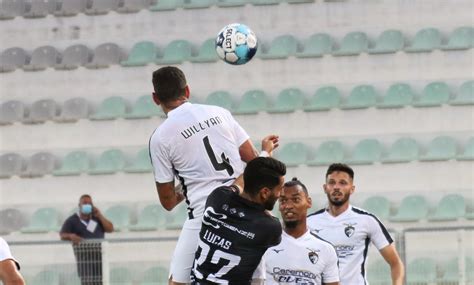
pixel 252 102
pixel 68 8
pixel 328 152
pixel 144 107
pixel 105 55
pixel 111 108
pixel 40 164
pixel 450 208
pixel 73 110
pixel 150 218
pixel 74 56
pixel 316 45
pixel 119 215
pixel 412 208
pixel 206 52
pixel 389 41
pixel 353 43
pixel 141 54
pixel 42 111
pixel 288 100
pixel 421 271
pixel 362 96
pixel 43 220
pixel 367 151
pixel 12 59
pixel 39 8
pixel 425 40
pixel 109 162
pixel 398 95
pixel 141 163
pixel 11 164
pixel 12 111
pixel 220 98
pixel 293 154
pixel 377 205
pixel 280 48
pixel 324 99
pixel 74 163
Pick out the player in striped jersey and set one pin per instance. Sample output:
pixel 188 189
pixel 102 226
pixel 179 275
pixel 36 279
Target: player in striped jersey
pixel 351 230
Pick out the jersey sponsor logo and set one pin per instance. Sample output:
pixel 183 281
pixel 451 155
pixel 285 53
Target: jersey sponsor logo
pixel 278 250
pixel 317 230
pixel 216 220
pixel 313 255
pixel 217 240
pixel 349 230
pixel 201 126
pixel 291 276
pixel 343 250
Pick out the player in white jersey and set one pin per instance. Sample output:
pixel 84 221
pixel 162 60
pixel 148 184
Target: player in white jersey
pixel 301 257
pixel 351 230
pixel 9 267
pixel 203 147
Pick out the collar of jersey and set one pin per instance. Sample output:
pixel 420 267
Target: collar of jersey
pixel 297 239
pixel 343 214
pixel 181 108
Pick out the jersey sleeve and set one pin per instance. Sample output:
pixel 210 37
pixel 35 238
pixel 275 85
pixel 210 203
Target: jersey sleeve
pixel 160 160
pixel 239 133
pixel 4 250
pixel 331 269
pixel 379 234
pixel 259 272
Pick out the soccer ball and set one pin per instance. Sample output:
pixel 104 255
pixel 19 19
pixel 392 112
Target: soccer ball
pixel 236 44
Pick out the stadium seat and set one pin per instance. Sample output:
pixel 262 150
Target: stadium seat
pixel 469 210
pixel 461 38
pixel 74 56
pixel 299 1
pixel 141 163
pixel 111 108
pixel 328 152
pixel 398 95
pixel 120 275
pixel 264 2
pixel 177 217
pixel 175 53
pixel 468 153
pixel 425 40
pixel 11 164
pixel 46 277
pixel 231 3
pixel 12 111
pixel 220 98
pixel 145 107
pixel 450 208
pixel 69 8
pixel 316 45
pixel 377 205
pixel 324 99
pixel 102 7
pixel 252 102
pixel 109 162
pixel 155 276
pixel 288 100
pixel 366 151
pixel 11 220
pixel 166 5
pixel 119 215
pixel 39 8
pixel 40 164
pixel 206 52
pixel 105 55
pixel 43 220
pixel 74 163
pixel 362 96
pixel 141 54
pixel 12 8
pixel 390 41
pixel 440 148
pixel 434 94
pixel 133 6
pixel 452 272
pixel 42 111
pixel 13 58
pixel 198 4
pixel 280 48
pixel 150 218
pixel 293 154
pixel 42 58
pixel 412 209
pixel 378 273
pixel 402 150
pixel 421 271
pixel 465 95
pixel 353 43
pixel 73 110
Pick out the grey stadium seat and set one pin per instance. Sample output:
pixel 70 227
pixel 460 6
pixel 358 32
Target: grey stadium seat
pixel 70 7
pixel 101 7
pixel 133 6
pixel 41 111
pixel 12 111
pixel 105 55
pixel 42 58
pixel 73 109
pixel 12 59
pixel 11 164
pixel 10 9
pixel 74 56
pixel 39 8
pixel 40 164
pixel 11 220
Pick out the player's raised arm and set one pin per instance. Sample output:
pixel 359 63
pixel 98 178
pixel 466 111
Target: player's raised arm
pixel 169 195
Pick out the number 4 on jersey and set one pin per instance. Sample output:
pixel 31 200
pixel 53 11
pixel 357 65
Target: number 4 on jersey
pixel 219 166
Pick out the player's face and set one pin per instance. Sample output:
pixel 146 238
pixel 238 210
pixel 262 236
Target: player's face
pixel 294 205
pixel 273 195
pixel 338 188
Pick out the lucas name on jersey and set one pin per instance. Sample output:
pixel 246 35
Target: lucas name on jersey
pixel 217 240
pixel 201 126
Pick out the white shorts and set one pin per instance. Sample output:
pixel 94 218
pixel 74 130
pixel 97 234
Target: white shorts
pixel 183 256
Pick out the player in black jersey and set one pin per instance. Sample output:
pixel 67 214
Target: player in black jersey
pixel 237 229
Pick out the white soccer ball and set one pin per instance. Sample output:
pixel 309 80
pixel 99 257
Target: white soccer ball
pixel 236 44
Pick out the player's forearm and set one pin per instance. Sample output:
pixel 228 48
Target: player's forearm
pixel 398 273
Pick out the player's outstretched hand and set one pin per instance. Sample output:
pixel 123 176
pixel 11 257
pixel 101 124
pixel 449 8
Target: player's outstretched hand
pixel 270 143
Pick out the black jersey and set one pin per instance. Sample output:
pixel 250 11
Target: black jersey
pixel 235 234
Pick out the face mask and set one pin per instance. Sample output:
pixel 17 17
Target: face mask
pixel 86 209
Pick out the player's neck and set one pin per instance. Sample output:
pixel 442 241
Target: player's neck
pixel 249 197
pixel 297 231
pixel 337 210
pixel 173 105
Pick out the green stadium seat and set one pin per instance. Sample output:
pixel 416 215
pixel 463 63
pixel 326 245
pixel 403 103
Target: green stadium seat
pixel 353 43
pixel 280 48
pixel 69 279
pixel 316 45
pixel 390 41
pixel 175 52
pixel 468 153
pixel 109 162
pixel 119 215
pixel 378 273
pixel 74 163
pixel 461 38
pixel 377 205
pixel 43 220
pixel 434 94
pixel 150 218
pixel 425 40
pixel 111 108
pixel 252 102
pixel 402 150
pixel 469 210
pixel 120 275
pixel 452 272
pixel 421 271
pixel 198 4
pixel 264 2
pixel 206 52
pixel 288 100
pixel 450 208
pixel 231 3
pixel 144 107
pixel 299 1
pixel 133 6
pixel 220 98
pixel 362 96
pixel 412 209
pixel 366 151
pixel 328 152
pixel 141 54
pixel 324 99
pixel 141 163
pixel 465 95
pixel 166 5
pixel 293 154
pixel 46 277
pixel 177 217
pixel 398 95
pixel 155 276
pixel 440 148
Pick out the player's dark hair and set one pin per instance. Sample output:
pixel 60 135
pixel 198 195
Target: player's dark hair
pixel 340 167
pixel 294 182
pixel 262 172
pixel 84 196
pixel 169 83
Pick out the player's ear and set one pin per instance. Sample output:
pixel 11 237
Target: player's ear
pixel 353 188
pixel 325 187
pixel 264 193
pixel 310 201
pixel 156 99
pixel 187 92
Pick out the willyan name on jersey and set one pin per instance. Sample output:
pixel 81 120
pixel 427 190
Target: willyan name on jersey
pixel 201 126
pixel 217 240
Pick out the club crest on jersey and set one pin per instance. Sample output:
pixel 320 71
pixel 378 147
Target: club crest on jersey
pixel 313 256
pixel 349 230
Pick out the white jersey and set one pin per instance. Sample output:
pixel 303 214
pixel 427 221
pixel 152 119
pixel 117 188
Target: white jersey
pixel 199 144
pixel 305 260
pixel 5 253
pixel 351 233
